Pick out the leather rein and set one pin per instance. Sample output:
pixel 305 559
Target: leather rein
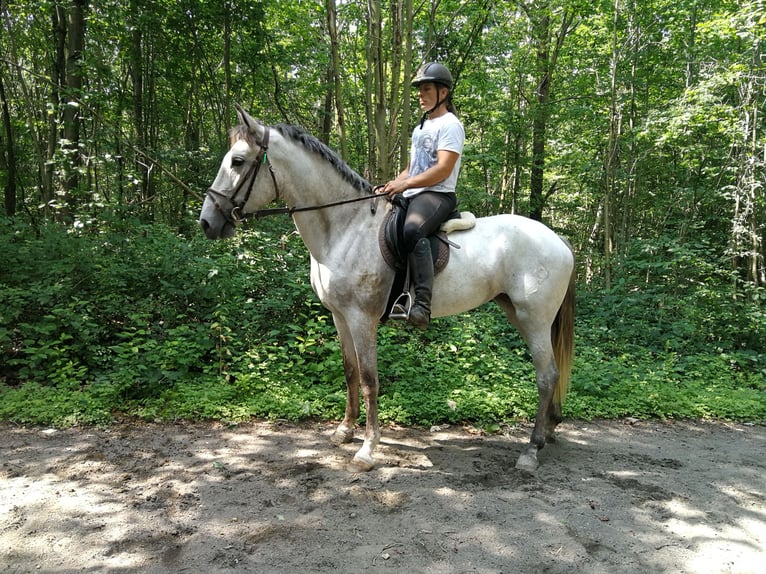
pixel 235 215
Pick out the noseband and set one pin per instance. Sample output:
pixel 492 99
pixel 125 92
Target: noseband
pixel 235 215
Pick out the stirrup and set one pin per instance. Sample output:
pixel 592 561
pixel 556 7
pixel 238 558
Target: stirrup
pixel 401 307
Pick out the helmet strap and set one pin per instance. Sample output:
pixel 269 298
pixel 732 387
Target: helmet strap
pixel 427 114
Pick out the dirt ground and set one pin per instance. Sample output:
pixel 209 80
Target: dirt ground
pixel 618 496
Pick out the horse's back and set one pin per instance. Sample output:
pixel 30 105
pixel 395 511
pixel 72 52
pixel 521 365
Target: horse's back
pixel 504 254
pixel 500 240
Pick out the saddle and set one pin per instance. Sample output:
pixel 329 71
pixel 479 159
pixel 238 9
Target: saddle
pixel 390 240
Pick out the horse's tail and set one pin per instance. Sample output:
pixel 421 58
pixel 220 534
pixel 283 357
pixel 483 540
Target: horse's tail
pixel 562 336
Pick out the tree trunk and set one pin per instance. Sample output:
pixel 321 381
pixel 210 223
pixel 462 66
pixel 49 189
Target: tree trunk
pixel 611 159
pixel 75 35
pixel 335 92
pixel 631 159
pixel 31 109
pixel 371 80
pixel 395 86
pixel 140 89
pixel 227 5
pixel 8 154
pixel 691 47
pixel 546 56
pixel 406 108
pixel 519 144
pixel 58 74
pixel 381 105
pixel 539 126
pixel 745 235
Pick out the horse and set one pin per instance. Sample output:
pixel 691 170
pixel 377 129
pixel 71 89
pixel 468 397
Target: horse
pixel 519 263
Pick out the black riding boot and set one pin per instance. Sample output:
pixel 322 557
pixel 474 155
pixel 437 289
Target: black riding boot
pixel 422 275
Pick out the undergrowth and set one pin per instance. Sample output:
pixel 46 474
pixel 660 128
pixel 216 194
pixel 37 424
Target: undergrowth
pixel 134 319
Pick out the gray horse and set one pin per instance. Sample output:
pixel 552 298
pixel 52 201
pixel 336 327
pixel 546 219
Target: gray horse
pixel 519 263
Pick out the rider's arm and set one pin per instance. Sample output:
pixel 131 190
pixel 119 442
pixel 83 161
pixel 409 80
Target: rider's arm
pixel 445 162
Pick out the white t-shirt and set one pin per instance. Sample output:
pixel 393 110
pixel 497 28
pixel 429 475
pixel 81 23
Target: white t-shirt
pixel 442 133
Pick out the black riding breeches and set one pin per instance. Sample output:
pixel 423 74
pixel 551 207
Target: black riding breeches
pixel 425 213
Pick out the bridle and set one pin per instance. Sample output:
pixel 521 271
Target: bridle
pixel 235 215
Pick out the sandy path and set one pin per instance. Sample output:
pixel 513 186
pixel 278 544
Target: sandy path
pixel 267 497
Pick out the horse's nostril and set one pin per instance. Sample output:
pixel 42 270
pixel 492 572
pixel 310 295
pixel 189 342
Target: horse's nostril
pixel 204 224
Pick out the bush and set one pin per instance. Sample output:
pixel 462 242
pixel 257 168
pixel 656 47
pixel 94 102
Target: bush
pixel 135 319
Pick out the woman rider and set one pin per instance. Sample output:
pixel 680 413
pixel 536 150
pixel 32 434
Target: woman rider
pixel 428 183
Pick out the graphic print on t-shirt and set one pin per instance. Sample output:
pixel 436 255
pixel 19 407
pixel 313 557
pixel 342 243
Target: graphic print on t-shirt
pixel 425 154
pixel 437 134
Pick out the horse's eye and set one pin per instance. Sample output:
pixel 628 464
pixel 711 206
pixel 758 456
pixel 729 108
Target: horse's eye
pixel 236 161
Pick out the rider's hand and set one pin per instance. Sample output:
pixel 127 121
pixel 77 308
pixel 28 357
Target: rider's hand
pixel 395 187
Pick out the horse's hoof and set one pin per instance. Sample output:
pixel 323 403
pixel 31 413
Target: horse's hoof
pixel 527 463
pixel 342 436
pixel 359 464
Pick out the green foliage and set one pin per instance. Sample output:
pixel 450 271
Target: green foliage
pixel 677 336
pixel 113 316
pixel 134 319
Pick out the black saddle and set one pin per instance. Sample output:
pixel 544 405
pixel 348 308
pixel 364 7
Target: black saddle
pixel 391 244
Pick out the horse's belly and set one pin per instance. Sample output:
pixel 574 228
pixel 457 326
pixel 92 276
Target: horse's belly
pixel 462 288
pixel 366 287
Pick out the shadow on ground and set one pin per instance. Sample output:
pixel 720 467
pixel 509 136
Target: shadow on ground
pixel 269 497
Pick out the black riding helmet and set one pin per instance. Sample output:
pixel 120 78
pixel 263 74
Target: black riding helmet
pixel 433 72
pixel 438 74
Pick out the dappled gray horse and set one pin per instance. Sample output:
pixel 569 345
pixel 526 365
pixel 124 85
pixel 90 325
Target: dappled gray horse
pixel 519 263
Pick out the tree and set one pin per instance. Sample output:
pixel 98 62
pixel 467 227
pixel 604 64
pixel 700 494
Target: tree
pixel 547 45
pixel 335 93
pixel 74 80
pixel 748 145
pixel 627 122
pixel 8 164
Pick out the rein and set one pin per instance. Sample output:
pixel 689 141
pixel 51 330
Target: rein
pixel 237 216
pixel 290 210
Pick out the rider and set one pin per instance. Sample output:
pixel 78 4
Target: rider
pixel 428 183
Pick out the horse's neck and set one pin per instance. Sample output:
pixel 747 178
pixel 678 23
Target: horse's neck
pixel 312 182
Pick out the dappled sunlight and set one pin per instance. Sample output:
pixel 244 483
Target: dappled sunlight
pixel 738 547
pixel 306 453
pixel 683 511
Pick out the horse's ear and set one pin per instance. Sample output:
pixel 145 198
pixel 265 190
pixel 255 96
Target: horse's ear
pixel 248 121
pixel 243 117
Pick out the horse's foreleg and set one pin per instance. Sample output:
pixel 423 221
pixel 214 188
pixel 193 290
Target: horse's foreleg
pixel 365 343
pixel 360 359
pixel 363 459
pixel 345 431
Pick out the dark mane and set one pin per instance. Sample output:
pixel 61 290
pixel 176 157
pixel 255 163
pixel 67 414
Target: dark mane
pixel 313 145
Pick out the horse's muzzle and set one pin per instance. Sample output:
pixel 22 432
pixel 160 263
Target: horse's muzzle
pixel 225 231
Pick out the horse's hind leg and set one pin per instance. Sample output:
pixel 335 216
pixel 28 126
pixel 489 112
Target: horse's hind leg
pixel 546 418
pixel 538 338
pixel 554 418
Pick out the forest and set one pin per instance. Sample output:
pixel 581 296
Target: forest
pixel 634 129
